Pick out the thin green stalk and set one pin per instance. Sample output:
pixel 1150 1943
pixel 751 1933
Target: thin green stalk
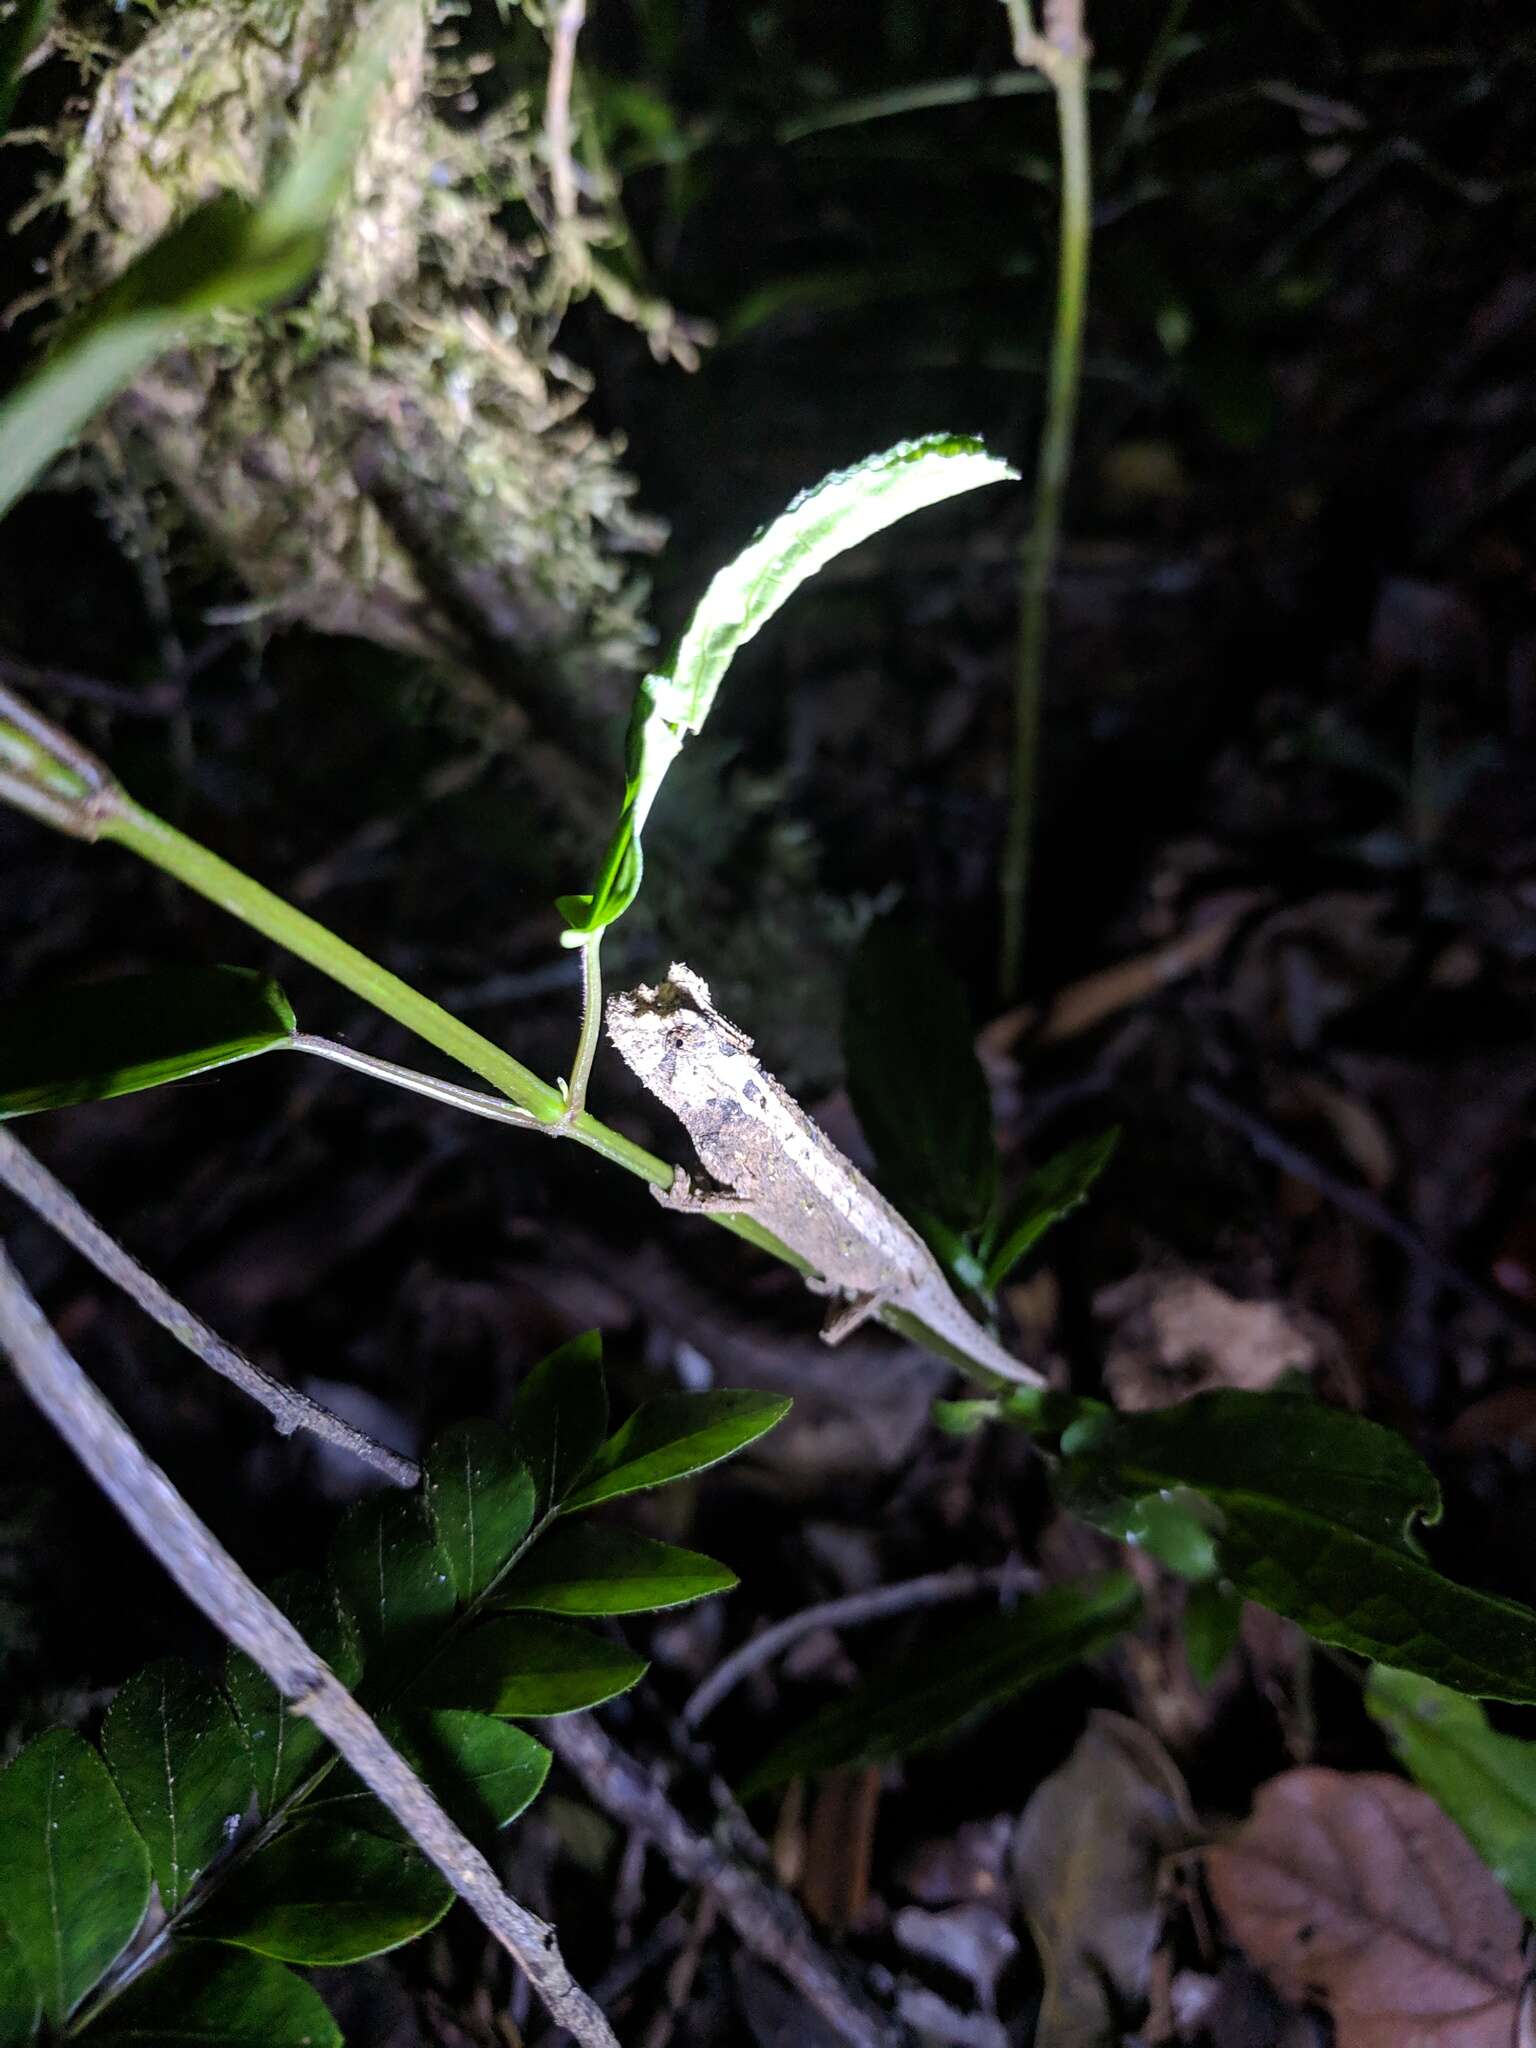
pixel 1063 58
pixel 63 786
pixel 591 1023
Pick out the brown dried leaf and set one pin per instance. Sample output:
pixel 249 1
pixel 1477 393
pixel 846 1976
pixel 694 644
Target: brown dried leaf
pixel 1354 1892
pixel 1177 1334
pixel 1085 1860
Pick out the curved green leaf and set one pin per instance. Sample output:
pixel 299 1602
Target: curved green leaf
pixel 921 1699
pixel 485 1772
pixel 325 1895
pixel 914 1078
pixel 286 1747
pixel 1053 1191
pixel 395 1577
pixel 74 1876
pixel 182 1767
pixel 21 2009
pixel 481 1496
pixel 844 509
pixel 114 1037
pixel 524 1667
pixel 1485 1781
pixel 670 1437
pixel 217 2000
pixel 585 1568
pixel 1315 1512
pixel 228 254
pixel 557 1420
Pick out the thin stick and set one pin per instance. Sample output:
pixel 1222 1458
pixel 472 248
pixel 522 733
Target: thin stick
pixel 1062 56
pixel 211 1579
pixel 933 1589
pixel 1362 1205
pixel 31 1182
pixel 471 1100
pixel 557 106
pixel 767 1919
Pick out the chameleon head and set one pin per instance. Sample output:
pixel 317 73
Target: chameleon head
pixel 672 1032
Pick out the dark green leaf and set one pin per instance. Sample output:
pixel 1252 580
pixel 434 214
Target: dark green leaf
pixel 395 1577
pixel 1213 1619
pixel 916 1083
pixel 286 1747
pixel 21 2009
pixel 559 1416
pixel 1486 1782
pixel 20 33
pixel 838 513
pixel 1058 1188
pixel 585 1568
pixel 182 1767
pixel 670 1437
pixel 484 1771
pixel 74 1876
pixel 922 1698
pixel 482 1500
pixel 325 1895
pixel 114 1037
pixel 526 1667
pixel 1315 1511
pixel 215 1999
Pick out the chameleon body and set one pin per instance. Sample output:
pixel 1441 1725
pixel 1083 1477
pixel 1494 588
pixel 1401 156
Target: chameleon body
pixel 769 1161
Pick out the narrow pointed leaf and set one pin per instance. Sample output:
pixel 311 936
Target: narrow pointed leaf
pixel 821 524
pixel 917 1086
pixel 1054 1191
pixel 481 1496
pixel 218 1999
pixel 526 1667
pixel 228 254
pixel 585 1568
pixel 286 1747
pixel 923 1698
pixel 115 1037
pixel 323 1895
pixel 395 1577
pixel 1314 1517
pixel 559 1416
pixel 1485 1781
pixel 182 1767
pixel 74 1875
pixel 670 1437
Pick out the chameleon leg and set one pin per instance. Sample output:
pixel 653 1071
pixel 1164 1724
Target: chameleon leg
pixel 694 1201
pixel 843 1318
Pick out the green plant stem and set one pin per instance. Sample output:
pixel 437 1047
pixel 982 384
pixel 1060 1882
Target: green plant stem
pixel 1065 65
pixel 591 1023
pixel 110 813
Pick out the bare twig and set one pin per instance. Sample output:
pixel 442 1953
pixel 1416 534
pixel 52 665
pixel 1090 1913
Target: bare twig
pixel 566 27
pixel 211 1579
pixel 31 1182
pixel 934 1589
pixel 767 1919
pixel 1363 1206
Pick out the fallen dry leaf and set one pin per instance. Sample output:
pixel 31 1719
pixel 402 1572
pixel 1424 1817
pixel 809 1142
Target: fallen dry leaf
pixel 1355 1893
pixel 1085 1860
pixel 1177 1334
